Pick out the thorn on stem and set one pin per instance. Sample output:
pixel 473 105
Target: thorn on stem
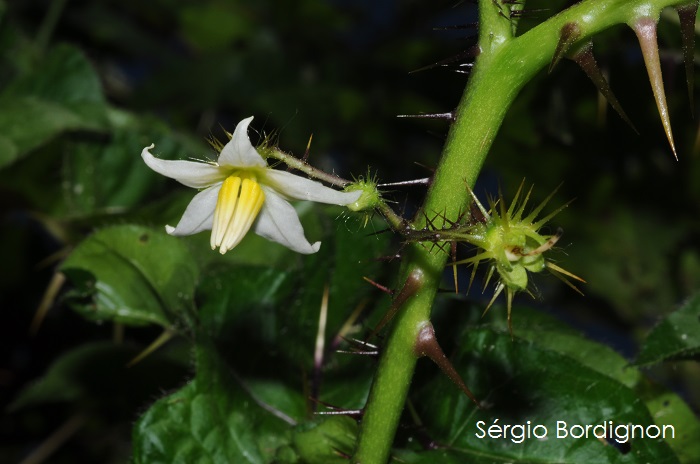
pixel 305 158
pixel 336 411
pixel 645 29
pixel 381 287
pixel 469 53
pixel 569 33
pixel 360 347
pixel 427 345
pixel 449 116
pixel 586 61
pixel 413 282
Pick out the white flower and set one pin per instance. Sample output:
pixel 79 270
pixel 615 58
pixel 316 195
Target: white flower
pixel 241 191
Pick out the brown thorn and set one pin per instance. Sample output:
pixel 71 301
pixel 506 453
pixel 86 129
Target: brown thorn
pixel 381 287
pixel 308 148
pixel 413 282
pixel 586 61
pixel 429 221
pixel 645 28
pixel 687 15
pixel 427 345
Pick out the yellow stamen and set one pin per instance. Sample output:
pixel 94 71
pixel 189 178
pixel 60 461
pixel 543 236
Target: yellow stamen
pixel 239 203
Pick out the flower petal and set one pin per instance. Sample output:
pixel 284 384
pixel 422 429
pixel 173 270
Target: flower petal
pixel 190 173
pixel 300 188
pixel 199 214
pixel 278 221
pixel 239 152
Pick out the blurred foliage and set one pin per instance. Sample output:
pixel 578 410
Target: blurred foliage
pixel 85 85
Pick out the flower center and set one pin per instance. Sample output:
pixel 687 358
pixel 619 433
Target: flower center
pixel 239 203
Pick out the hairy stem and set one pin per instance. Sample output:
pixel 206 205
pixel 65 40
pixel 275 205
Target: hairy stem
pixel 505 64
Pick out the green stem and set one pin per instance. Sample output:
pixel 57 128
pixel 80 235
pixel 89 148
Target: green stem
pixel 504 66
pixel 302 166
pixel 395 221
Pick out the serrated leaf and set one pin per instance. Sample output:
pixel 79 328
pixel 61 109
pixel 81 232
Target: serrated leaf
pixel 133 275
pixel 210 420
pixel 552 334
pixel 520 381
pixel 674 338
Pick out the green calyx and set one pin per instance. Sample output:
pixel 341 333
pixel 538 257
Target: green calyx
pixel 370 198
pixel 516 249
pixel 506 239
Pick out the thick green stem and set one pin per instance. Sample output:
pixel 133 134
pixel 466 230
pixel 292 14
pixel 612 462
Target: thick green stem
pixel 504 66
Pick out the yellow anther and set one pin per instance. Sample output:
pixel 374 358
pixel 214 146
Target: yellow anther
pixel 239 203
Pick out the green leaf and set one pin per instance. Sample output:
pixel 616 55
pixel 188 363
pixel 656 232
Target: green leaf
pixel 676 337
pixel 110 177
pixel 327 441
pixel 62 94
pixel 345 257
pixel 133 275
pixel 668 407
pixel 28 122
pixel 552 334
pixel 525 380
pixel 280 308
pixel 213 419
pixel 95 375
pixel 64 76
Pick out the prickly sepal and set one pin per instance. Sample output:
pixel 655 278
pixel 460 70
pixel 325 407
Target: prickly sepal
pixel 370 197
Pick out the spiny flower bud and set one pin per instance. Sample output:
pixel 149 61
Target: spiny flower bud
pixel 510 242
